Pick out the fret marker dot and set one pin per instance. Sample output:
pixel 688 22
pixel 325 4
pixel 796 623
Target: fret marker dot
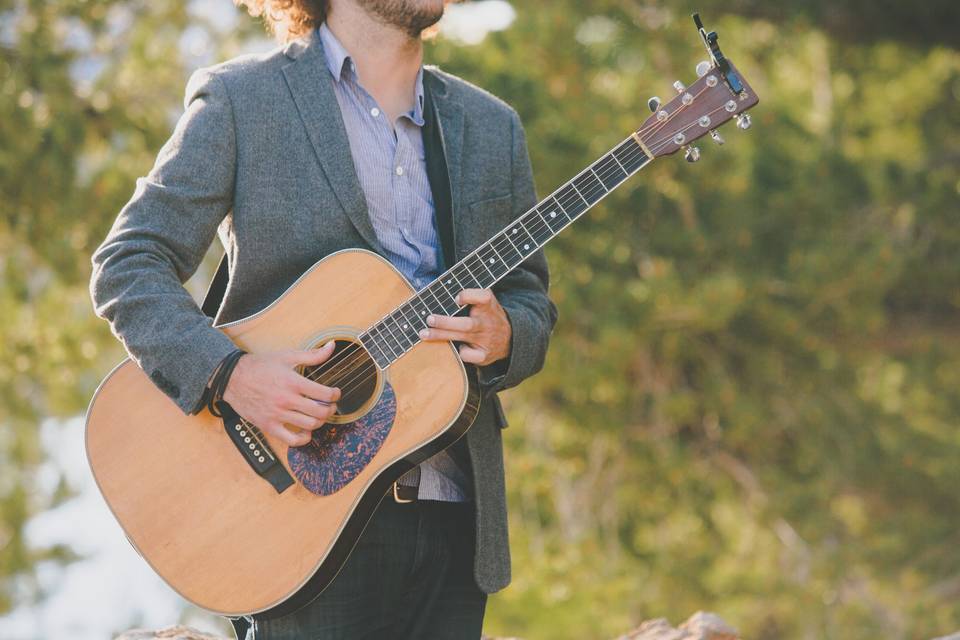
pixel 492 260
pixel 514 230
pixel 553 214
pixel 404 325
pixel 526 246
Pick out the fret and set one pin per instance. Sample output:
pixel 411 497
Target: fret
pixel 506 248
pixel 572 202
pixel 447 304
pixel 521 239
pixel 386 323
pixel 420 308
pixel 373 348
pixel 479 271
pixel 384 339
pixel 630 155
pixel 492 261
pixel 553 215
pixel 610 172
pixel 416 323
pixel 537 228
pixel 465 277
pixel 589 187
pixel 579 194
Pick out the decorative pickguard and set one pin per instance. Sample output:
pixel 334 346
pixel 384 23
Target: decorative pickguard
pixel 339 452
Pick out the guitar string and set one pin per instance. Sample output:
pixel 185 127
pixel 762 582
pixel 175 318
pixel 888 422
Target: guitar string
pixel 352 356
pixel 500 245
pixel 344 356
pixel 255 433
pixel 564 199
pixel 659 144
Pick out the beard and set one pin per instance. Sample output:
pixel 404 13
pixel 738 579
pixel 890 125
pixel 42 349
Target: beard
pixel 410 16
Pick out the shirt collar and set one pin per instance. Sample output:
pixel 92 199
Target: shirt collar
pixel 339 62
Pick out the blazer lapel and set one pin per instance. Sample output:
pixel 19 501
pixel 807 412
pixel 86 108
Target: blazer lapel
pixel 311 85
pixel 450 125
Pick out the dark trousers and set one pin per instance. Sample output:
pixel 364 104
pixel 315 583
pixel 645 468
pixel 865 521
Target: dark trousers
pixel 410 576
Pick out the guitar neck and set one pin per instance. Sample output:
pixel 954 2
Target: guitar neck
pixel 395 334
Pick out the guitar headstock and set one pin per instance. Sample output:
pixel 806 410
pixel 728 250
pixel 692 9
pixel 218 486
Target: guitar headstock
pixel 720 94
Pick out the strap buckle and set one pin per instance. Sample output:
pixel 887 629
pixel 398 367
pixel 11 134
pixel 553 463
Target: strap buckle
pixel 396 495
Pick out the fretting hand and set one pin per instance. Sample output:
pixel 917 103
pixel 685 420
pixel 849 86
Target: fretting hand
pixel 486 332
pixel 266 390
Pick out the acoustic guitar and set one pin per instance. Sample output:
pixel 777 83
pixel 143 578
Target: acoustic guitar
pixel 204 499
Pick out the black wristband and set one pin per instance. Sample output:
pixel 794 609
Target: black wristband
pixel 220 379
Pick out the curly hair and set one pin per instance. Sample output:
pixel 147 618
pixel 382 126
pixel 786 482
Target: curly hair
pixel 288 19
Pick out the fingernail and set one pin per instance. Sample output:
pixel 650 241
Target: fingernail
pixel 424 333
pixel 431 319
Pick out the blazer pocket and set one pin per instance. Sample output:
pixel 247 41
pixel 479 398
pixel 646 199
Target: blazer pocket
pixel 498 208
pixel 488 216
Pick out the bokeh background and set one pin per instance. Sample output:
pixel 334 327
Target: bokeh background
pixel 751 400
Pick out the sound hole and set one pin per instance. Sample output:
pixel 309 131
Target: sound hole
pixel 353 371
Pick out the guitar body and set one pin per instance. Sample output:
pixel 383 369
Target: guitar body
pixel 214 530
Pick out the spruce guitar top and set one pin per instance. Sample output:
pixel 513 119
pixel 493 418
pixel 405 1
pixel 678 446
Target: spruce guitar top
pixel 194 501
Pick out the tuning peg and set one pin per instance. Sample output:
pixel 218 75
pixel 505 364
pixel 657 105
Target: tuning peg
pixel 744 121
pixel 679 86
pixel 702 68
pixel 716 136
pixel 692 154
pixel 653 103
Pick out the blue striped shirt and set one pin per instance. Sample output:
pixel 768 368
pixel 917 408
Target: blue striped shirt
pixel 392 170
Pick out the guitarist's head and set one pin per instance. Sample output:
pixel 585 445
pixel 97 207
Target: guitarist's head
pixel 290 19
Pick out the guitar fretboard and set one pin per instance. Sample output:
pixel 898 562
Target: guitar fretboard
pixel 398 332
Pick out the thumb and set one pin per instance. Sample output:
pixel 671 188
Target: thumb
pixel 312 357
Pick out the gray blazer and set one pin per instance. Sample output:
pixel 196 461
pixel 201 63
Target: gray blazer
pixel 261 155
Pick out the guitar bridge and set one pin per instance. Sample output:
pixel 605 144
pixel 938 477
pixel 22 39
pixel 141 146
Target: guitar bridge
pixel 255 449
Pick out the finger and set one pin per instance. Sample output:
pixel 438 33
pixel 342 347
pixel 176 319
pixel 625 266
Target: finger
pixel 463 324
pixel 317 410
pixel 475 296
pixel 316 391
pixel 288 437
pixel 473 354
pixel 311 357
pixel 444 334
pixel 302 420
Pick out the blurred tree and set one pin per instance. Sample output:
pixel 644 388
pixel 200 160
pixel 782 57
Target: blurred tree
pixel 750 402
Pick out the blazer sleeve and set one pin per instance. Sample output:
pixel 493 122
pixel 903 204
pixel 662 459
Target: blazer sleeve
pixel 159 240
pixel 523 292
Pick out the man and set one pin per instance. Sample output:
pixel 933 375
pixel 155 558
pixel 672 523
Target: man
pixel 341 138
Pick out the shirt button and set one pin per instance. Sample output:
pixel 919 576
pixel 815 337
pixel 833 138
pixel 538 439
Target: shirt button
pixel 399 170
pixel 374 112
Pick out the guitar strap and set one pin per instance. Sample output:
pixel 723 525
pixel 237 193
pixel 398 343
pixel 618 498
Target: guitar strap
pixel 216 289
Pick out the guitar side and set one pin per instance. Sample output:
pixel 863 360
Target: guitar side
pixel 216 532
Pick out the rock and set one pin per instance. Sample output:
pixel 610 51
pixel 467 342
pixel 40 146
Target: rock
pixel 170 633
pixel 700 626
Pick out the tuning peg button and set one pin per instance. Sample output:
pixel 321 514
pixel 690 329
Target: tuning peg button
pixel 744 121
pixel 716 136
pixel 692 154
pixel 653 103
pixel 679 86
pixel 702 68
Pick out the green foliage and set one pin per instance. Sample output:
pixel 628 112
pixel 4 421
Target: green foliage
pixel 750 402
